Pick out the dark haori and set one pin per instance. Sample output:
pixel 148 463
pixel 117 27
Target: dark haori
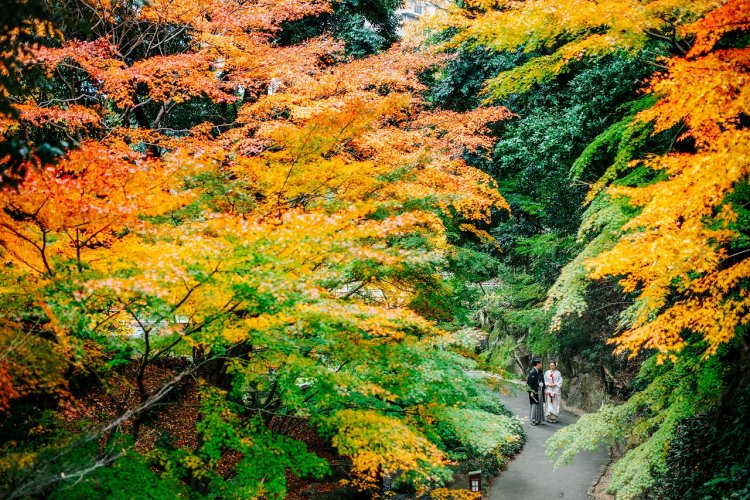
pixel 535 388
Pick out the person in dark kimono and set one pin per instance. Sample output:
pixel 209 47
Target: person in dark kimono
pixel 535 388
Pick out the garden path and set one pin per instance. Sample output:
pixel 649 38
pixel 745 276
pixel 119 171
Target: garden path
pixel 530 475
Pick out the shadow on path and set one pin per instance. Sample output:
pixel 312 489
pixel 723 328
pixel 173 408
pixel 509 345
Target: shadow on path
pixel 530 475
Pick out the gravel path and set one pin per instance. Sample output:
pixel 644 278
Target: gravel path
pixel 530 475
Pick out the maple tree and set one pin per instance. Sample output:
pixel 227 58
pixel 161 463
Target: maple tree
pixel 686 224
pixel 556 35
pixel 24 24
pixel 276 215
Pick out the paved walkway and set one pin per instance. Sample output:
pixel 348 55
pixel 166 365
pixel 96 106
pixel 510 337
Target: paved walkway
pixel 530 475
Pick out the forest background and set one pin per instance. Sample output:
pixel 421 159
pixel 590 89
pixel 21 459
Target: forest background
pixel 247 243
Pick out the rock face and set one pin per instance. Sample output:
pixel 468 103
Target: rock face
pixel 588 383
pixel 585 391
pixel 585 387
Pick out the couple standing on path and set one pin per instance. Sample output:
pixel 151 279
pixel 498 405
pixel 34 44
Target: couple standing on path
pixel 544 392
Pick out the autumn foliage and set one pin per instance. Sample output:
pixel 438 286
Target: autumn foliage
pixel 212 208
pixel 676 253
pixel 681 245
pixel 282 238
pixel 659 267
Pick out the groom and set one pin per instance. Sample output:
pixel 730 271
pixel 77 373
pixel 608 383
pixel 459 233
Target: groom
pixel 535 381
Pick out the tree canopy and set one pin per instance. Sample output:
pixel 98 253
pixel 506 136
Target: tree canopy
pixel 241 240
pixel 271 217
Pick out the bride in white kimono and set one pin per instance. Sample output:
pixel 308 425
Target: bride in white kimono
pixel 553 382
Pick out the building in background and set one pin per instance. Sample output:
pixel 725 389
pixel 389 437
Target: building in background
pixel 414 10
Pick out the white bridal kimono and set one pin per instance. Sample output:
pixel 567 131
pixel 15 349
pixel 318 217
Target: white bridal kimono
pixel 552 393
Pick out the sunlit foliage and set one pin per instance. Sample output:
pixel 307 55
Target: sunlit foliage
pixel 682 234
pixel 275 215
pixel 558 34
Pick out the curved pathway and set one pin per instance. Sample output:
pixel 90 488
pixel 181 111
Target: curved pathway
pixel 530 475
